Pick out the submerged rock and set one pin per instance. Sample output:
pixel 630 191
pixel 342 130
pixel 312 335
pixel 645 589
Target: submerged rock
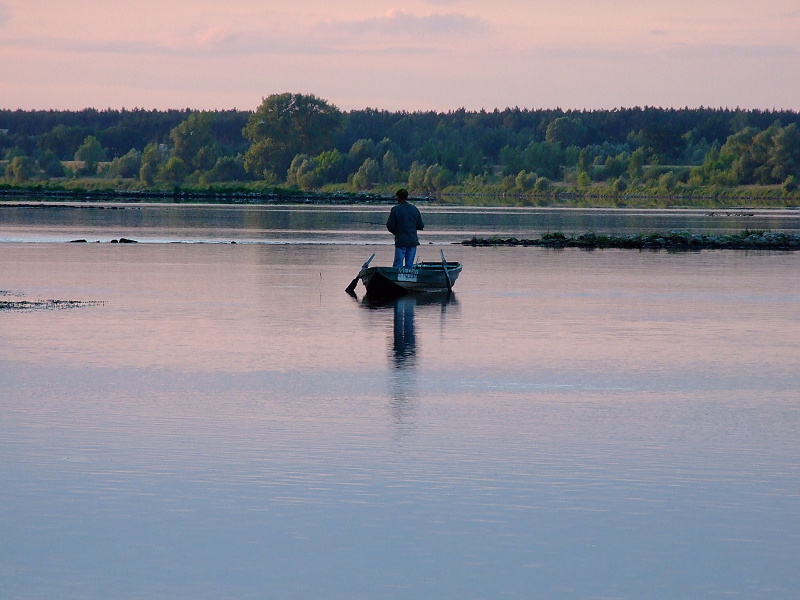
pixel 41 304
pixel 673 241
pixel 46 304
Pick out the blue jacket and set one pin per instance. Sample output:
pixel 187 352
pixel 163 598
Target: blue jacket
pixel 404 221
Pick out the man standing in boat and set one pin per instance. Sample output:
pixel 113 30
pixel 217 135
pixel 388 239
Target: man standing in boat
pixel 404 222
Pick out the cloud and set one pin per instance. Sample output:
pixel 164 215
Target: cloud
pixel 580 52
pixel 397 32
pixel 737 51
pixel 398 23
pixel 53 44
pixel 694 52
pixel 214 36
pixel 212 42
pixel 5 14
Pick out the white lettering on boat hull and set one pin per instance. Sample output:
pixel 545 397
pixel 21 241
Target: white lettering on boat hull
pixel 406 275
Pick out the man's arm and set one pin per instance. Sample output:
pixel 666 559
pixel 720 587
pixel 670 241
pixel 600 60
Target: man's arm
pixel 391 222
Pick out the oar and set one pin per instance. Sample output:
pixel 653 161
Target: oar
pixel 446 274
pixel 351 288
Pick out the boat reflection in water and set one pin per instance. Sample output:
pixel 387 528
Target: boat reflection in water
pixel 404 348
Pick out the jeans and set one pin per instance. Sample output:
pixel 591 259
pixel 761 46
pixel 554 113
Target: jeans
pixel 405 255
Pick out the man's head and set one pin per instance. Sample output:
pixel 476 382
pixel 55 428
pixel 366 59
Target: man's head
pixel 402 195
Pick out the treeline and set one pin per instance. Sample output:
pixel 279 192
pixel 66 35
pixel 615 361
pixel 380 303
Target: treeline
pixel 305 142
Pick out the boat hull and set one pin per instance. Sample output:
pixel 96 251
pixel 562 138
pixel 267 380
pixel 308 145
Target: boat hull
pixel 419 279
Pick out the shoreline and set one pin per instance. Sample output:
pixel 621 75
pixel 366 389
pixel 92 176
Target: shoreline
pixel 179 196
pixel 279 195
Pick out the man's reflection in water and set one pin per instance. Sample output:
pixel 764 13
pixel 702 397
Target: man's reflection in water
pixel 403 351
pixel 405 344
pixel 402 378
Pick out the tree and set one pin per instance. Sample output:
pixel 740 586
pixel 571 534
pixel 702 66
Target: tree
pixel 542 184
pixel 614 166
pixel 619 185
pixel 302 172
pixel 50 164
pixel 151 159
pixel 784 159
pixel 666 182
pixel 635 163
pixel 715 168
pixel 750 156
pixel 13 152
pixel 91 153
pixel 583 161
pixel 368 174
pixel 227 168
pixel 566 131
pixel 21 169
pixel 738 152
pixel 472 162
pixel 361 150
pixel 511 159
pixel 332 167
pixel 193 142
pixel 761 151
pixel 284 126
pixel 664 140
pixel 63 140
pixel 525 181
pixel 416 177
pixel 437 178
pixel 127 166
pixel 390 167
pixel 118 140
pixel 174 171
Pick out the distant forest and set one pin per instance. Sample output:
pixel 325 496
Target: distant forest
pixel 303 142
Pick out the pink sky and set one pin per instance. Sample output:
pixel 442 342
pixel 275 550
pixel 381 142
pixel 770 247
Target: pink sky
pixel 417 55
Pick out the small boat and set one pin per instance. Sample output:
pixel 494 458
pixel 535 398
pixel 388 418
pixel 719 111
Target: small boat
pixel 423 277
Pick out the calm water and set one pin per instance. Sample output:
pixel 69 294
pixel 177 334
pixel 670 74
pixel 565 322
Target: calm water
pixel 230 424
pixel 351 225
